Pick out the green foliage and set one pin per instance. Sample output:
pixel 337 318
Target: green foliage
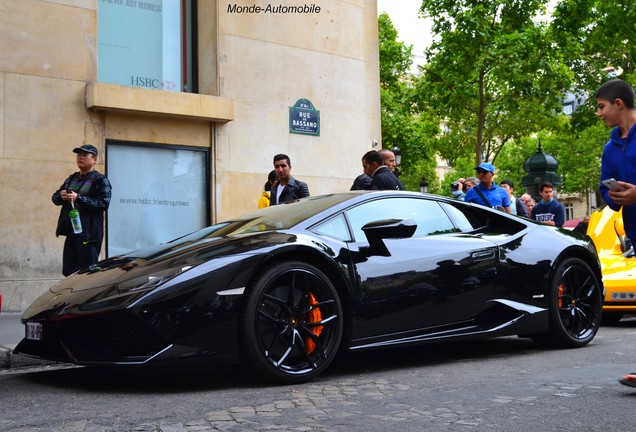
pixel 491 75
pixel 577 154
pixel 579 157
pixel 494 84
pixel 511 159
pixel 595 35
pixel 597 39
pixel 395 57
pixel 402 126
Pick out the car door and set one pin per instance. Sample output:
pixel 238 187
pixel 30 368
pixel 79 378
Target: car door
pixel 437 278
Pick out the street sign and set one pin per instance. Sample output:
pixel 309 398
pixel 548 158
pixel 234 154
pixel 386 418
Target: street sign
pixel 304 118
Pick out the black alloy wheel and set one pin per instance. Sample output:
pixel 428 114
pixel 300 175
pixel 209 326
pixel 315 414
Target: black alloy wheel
pixel 575 303
pixel 291 323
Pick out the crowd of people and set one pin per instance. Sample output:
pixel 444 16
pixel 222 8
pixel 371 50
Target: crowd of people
pixel 378 174
pixel 483 190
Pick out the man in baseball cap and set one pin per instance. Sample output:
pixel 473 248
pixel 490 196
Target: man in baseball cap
pixel 485 166
pixel 86 148
pixel 487 193
pixel 87 191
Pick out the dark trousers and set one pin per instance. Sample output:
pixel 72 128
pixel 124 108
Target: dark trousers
pixel 79 254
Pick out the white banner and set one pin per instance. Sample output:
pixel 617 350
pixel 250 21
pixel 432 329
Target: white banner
pixel 158 194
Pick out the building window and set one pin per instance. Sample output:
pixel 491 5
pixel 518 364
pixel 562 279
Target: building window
pixel 569 211
pixel 568 108
pixel 159 194
pixel 147 43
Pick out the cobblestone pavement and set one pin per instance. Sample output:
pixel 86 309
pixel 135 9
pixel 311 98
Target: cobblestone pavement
pixel 505 385
pixel 354 404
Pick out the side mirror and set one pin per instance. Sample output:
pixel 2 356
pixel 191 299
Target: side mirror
pixel 620 232
pixel 619 227
pixel 379 230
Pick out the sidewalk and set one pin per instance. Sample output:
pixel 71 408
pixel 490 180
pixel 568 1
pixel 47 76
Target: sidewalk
pixel 11 333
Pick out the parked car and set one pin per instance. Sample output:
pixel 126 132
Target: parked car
pixel 618 263
pixel 282 290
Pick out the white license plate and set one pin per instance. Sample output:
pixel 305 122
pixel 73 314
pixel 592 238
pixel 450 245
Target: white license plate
pixel 33 331
pixel 623 296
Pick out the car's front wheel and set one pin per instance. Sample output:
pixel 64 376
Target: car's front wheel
pixel 575 304
pixel 291 323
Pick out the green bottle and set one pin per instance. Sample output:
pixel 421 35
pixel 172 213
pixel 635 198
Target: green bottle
pixel 75 219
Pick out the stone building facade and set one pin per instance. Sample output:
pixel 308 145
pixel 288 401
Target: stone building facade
pixel 250 69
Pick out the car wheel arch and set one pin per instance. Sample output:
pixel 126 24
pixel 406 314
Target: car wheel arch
pixel 562 320
pixel 583 255
pixel 327 266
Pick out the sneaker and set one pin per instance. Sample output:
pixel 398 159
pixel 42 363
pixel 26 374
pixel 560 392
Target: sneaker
pixel 629 380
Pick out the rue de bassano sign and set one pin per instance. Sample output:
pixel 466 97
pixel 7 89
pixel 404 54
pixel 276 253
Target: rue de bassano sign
pixel 304 118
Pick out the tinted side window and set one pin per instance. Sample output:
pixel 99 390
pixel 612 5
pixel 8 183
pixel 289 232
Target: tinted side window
pixel 428 215
pixel 335 227
pixel 460 218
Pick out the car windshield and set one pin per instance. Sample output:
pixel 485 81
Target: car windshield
pixel 279 217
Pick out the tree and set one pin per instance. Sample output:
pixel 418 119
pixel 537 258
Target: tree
pixel 395 61
pixel 492 75
pixel 598 40
pixel 596 37
pixel 395 57
pixel 401 124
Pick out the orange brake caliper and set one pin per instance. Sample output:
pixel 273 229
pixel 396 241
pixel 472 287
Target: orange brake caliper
pixel 313 316
pixel 560 292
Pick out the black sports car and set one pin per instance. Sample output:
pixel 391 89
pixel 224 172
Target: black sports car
pixel 282 290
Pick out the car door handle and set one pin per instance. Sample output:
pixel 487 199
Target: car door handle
pixel 482 255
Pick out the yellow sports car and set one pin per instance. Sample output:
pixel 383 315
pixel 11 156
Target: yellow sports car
pixel 618 263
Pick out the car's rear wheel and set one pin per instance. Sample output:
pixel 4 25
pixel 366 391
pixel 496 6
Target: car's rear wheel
pixel 291 323
pixel 575 304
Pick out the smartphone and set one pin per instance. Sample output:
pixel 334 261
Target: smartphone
pixel 612 184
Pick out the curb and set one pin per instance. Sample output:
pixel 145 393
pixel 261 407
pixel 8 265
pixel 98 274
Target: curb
pixel 9 360
pixel 5 357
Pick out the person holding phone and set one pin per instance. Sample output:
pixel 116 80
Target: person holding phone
pixel 615 106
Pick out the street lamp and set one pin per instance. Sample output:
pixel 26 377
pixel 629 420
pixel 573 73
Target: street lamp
pixel 424 185
pixel 398 155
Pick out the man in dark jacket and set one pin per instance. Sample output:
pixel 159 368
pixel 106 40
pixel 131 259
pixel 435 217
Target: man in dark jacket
pixel 89 192
pixel 287 188
pixel 382 177
pixel 362 182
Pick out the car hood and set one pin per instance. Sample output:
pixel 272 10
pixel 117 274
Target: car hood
pixel 153 264
pixel 122 279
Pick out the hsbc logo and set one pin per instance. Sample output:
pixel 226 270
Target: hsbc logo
pixel 138 81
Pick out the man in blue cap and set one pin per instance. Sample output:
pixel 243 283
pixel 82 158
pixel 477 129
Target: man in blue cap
pixel 487 193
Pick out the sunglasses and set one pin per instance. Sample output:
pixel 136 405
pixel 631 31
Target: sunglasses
pixel 481 171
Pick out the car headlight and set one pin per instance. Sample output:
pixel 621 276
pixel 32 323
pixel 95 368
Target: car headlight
pixel 151 281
